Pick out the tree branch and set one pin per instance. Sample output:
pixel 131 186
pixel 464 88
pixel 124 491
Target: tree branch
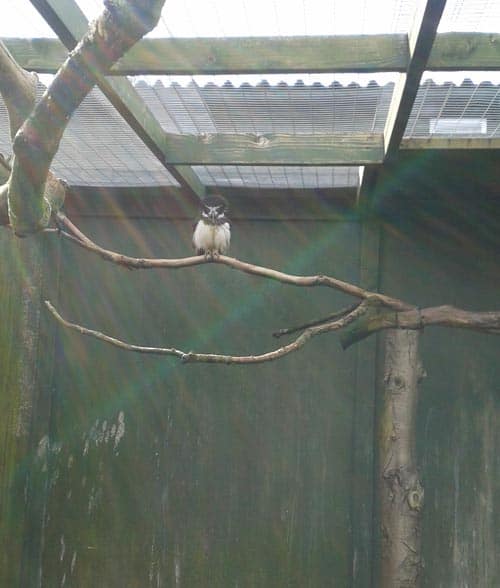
pixel 377 318
pixel 191 357
pixel 378 312
pixel 320 321
pixel 120 26
pixel 18 89
pixel 76 236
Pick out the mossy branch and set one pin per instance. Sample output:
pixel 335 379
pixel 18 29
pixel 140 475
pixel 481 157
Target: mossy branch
pixel 37 130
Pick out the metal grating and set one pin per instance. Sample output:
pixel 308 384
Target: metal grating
pixel 283 108
pixel 479 16
pixel 99 149
pixel 244 18
pixel 467 110
pixel 278 176
pixel 20 19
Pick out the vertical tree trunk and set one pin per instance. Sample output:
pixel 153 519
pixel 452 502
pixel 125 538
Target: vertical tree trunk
pixel 400 493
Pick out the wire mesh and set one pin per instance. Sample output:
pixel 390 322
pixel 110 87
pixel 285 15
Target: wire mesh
pixel 479 16
pixel 21 19
pixel 234 18
pixel 456 110
pixel 287 107
pixel 278 176
pixel 98 148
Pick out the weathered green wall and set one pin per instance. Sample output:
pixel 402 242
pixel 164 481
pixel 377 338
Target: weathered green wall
pixel 441 246
pixel 186 475
pixel 140 471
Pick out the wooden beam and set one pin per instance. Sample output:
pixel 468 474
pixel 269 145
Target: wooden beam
pixel 465 52
pixel 244 55
pixel 450 144
pixel 273 149
pixel 351 53
pixel 250 55
pixel 420 41
pixel 70 24
pixel 362 507
pixel 367 182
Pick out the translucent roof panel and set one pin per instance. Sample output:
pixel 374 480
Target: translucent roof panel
pixel 286 106
pixel 454 110
pixel 278 176
pixel 479 16
pixel 21 19
pixel 244 18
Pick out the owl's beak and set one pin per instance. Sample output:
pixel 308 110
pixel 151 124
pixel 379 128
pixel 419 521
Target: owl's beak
pixel 212 215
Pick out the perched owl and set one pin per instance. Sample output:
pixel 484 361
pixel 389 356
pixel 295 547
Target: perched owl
pixel 212 231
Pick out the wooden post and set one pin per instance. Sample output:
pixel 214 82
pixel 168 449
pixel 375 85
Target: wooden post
pixel 26 360
pixel 400 493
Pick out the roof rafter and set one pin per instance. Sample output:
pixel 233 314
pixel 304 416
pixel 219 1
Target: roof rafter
pixel 70 24
pixel 420 41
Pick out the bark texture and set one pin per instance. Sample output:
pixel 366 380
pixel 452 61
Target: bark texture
pixel 37 131
pixel 399 489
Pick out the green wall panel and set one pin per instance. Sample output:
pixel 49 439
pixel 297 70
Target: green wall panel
pixel 166 474
pixel 441 247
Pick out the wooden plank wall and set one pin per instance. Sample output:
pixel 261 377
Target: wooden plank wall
pixel 166 474
pixel 138 471
pixel 440 245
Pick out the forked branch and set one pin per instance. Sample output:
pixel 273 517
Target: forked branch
pixel 374 313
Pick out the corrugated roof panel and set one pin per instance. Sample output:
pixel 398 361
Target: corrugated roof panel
pixel 295 108
pixel 467 110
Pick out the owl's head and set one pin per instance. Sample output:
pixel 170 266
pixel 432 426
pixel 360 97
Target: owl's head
pixel 214 207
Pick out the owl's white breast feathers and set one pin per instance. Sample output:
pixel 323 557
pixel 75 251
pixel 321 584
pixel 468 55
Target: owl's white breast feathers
pixel 210 238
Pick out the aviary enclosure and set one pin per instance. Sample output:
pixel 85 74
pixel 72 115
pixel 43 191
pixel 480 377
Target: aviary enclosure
pixel 154 432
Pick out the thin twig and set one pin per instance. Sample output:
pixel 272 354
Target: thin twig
pixel 330 317
pixel 188 357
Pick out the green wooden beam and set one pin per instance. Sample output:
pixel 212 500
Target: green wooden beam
pixel 70 24
pixel 368 180
pixel 420 41
pixel 465 52
pixel 250 55
pixel 273 149
pixel 454 143
pixel 356 53
pixel 246 55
